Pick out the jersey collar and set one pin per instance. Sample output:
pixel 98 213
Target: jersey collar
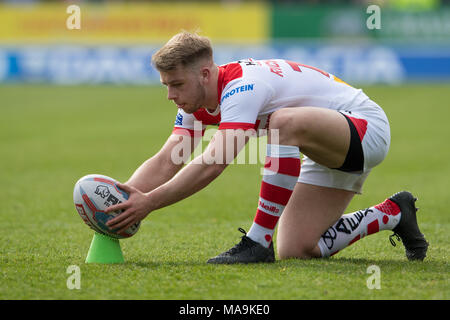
pixel 220 83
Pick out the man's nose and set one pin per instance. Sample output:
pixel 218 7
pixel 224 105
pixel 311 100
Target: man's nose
pixel 171 94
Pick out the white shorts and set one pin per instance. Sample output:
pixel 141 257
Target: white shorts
pixel 375 145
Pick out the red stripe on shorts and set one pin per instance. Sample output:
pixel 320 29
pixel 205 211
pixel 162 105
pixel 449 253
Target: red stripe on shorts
pixel 360 125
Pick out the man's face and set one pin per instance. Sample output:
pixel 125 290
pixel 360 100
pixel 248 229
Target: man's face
pixel 184 88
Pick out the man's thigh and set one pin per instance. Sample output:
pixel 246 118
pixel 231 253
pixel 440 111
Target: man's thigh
pixel 322 134
pixel 310 211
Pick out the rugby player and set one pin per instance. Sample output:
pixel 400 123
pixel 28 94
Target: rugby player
pixel 339 131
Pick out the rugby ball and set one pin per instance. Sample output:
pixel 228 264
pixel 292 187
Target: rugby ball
pixel 92 195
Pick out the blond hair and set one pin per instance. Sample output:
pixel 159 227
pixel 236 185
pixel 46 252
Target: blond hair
pixel 184 49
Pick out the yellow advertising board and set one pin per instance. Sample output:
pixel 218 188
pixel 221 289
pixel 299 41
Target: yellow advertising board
pixel 132 23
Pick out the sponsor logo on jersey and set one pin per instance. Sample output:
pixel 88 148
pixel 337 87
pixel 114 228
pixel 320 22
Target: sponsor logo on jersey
pixel 179 120
pixel 274 67
pixel 246 87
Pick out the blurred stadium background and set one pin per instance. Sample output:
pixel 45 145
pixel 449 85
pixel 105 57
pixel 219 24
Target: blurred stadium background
pixel 117 38
pixel 74 102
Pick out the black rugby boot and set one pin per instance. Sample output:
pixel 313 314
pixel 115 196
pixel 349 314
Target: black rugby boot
pixel 246 251
pixel 407 229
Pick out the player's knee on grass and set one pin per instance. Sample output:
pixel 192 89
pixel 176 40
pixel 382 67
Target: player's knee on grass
pixel 299 251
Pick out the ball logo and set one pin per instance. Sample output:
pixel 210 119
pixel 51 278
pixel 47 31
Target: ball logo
pixel 92 195
pixel 102 191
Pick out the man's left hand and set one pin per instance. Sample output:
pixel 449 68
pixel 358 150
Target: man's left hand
pixel 136 208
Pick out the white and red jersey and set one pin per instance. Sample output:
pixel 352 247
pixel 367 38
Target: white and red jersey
pixel 251 90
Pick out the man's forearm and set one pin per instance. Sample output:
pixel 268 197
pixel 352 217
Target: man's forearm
pixel 193 178
pixel 161 168
pixel 153 173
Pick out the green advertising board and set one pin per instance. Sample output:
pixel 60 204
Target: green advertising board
pixel 294 21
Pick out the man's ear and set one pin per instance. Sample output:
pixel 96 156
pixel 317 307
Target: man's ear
pixel 205 74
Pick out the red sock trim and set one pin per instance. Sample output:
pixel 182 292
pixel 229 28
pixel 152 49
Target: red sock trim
pixel 289 166
pixel 275 194
pixel 389 207
pixel 373 227
pixel 266 220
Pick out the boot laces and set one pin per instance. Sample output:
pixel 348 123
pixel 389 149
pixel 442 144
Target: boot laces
pixel 391 238
pixel 245 242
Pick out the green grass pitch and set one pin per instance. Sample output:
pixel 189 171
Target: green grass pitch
pixel 51 136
